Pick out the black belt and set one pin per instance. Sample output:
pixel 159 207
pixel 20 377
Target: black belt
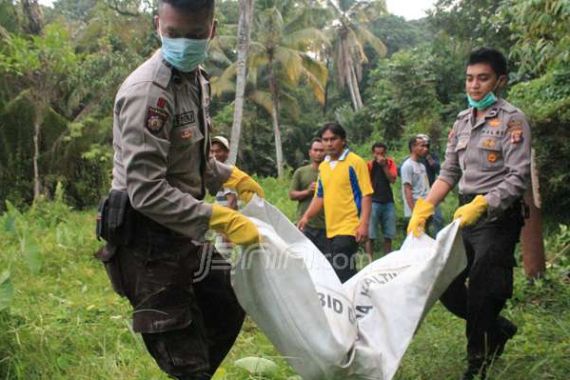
pixel 518 205
pixel 146 227
pixel 466 198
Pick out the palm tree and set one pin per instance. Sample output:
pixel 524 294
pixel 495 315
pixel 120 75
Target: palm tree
pixel 352 34
pixel 244 35
pixel 281 54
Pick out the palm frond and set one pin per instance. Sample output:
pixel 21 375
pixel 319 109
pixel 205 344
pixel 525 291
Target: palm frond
pixel 312 16
pixel 257 59
pixel 225 42
pixel 291 62
pixel 366 36
pixel 289 105
pixel 307 39
pixel 262 99
pixel 225 82
pixel 367 11
pixel 316 68
pixel 218 57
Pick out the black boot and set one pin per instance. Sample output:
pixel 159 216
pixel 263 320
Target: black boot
pixel 477 366
pixel 505 331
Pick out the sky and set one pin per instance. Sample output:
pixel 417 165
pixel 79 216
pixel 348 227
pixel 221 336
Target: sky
pixel 409 9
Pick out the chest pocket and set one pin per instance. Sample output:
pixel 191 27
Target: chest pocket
pixel 490 153
pixel 462 142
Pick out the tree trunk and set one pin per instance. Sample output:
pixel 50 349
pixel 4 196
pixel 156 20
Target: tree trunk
pixel 532 242
pixel 34 15
pixel 275 119
pixel 244 31
pixel 355 88
pixel 350 85
pixel 37 184
pixel 327 87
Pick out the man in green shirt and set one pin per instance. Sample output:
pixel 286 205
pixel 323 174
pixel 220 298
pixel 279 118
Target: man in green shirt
pixel 302 190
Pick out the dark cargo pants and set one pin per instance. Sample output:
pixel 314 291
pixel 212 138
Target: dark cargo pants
pixel 318 236
pixel 341 255
pixel 184 305
pixel 480 292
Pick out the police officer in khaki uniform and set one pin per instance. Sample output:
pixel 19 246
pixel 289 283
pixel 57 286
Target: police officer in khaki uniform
pixel 488 154
pixel 154 219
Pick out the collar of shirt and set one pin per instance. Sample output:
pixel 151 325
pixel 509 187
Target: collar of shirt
pixel 342 157
pixel 494 110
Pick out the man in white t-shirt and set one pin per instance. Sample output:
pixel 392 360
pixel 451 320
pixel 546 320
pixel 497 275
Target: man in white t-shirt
pixel 220 149
pixel 415 182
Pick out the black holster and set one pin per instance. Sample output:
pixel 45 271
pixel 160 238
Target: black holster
pixel 115 226
pixel 114 219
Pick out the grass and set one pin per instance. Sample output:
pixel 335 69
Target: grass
pixel 64 321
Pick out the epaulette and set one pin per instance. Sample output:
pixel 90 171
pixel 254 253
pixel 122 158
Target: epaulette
pixel 162 73
pixel 508 107
pixel 462 114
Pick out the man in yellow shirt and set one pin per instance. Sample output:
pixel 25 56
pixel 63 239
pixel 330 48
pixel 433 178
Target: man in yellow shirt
pixel 344 191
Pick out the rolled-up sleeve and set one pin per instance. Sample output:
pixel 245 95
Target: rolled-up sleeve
pixel 216 175
pixel 144 130
pixel 451 170
pixel 516 145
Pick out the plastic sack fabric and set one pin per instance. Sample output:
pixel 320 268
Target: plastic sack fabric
pixel 328 330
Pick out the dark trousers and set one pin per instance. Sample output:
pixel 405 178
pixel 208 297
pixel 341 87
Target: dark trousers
pixel 490 249
pixel 342 249
pixel 318 236
pixel 184 305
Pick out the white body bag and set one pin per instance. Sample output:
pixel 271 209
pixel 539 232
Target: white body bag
pixel 328 330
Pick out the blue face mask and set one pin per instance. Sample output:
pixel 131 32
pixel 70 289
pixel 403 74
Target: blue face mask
pixel 487 101
pixel 185 54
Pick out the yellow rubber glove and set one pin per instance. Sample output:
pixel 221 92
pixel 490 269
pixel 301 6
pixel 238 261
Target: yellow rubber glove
pixel 422 211
pixel 244 184
pixel 238 229
pixel 472 211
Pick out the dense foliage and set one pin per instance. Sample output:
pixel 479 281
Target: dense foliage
pixel 61 66
pixel 59 318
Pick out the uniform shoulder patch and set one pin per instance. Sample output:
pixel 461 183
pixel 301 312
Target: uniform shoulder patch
pixel 515 129
pixel 155 119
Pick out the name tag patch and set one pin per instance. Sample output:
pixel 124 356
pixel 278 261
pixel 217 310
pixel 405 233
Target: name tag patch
pixel 185 118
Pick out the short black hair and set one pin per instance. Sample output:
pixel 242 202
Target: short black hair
pixel 379 145
pixel 316 139
pixel 490 56
pixel 190 5
pixel 414 140
pixel 335 128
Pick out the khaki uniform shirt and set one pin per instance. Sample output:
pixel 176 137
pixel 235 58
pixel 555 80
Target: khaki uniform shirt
pixel 490 156
pixel 161 142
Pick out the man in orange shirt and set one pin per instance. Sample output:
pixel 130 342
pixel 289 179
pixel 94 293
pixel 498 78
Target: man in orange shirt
pixel 383 173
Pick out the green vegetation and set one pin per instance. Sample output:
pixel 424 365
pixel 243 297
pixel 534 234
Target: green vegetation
pixel 384 78
pixel 61 66
pixel 59 318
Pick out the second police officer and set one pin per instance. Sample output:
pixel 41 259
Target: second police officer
pixel 488 156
